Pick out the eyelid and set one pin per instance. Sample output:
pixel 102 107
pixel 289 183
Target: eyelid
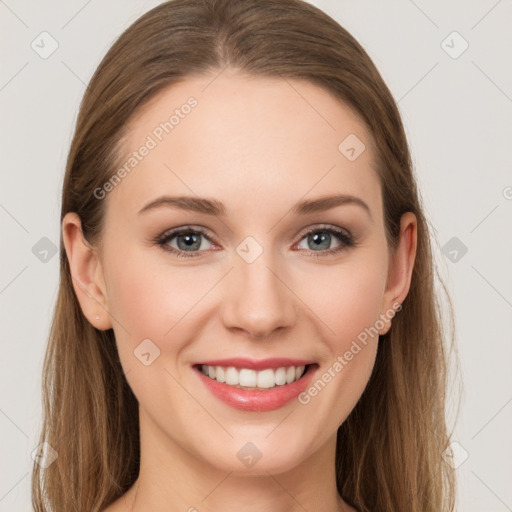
pixel 326 227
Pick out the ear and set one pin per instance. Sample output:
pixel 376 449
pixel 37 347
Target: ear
pixel 86 273
pixel 400 269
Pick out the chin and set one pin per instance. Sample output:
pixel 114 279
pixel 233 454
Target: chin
pixel 256 459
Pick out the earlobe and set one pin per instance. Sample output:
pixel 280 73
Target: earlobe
pixel 400 269
pixel 86 273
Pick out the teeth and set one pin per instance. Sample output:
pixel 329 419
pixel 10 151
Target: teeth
pixel 247 377
pixel 266 379
pixel 232 377
pixel 281 376
pixel 220 374
pixel 244 377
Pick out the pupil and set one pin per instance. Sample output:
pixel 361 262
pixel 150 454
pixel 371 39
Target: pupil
pixel 320 238
pixel 189 240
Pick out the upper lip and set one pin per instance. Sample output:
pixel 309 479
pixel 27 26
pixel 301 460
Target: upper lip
pixel 253 364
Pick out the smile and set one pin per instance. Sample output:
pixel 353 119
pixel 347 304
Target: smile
pixel 251 385
pixel 247 378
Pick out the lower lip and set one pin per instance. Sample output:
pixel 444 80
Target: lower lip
pixel 254 399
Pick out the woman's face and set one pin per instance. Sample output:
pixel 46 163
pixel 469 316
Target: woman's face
pixel 263 270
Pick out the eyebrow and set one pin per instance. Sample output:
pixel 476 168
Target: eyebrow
pixel 216 208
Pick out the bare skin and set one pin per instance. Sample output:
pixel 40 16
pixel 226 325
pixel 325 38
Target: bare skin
pixel 255 145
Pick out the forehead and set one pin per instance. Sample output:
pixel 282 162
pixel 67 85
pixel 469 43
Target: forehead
pixel 242 138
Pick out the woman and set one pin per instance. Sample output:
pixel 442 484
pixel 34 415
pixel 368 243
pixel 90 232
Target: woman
pixel 247 316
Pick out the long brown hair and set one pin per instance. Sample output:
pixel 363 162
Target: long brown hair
pixel 391 450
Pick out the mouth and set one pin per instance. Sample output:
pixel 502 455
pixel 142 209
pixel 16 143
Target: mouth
pixel 247 378
pixel 256 385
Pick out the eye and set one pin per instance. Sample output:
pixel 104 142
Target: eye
pixel 187 242
pixel 320 240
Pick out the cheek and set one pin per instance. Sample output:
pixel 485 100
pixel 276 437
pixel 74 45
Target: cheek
pixel 347 302
pixel 150 300
pixel 139 297
pixel 346 299
pixel 348 311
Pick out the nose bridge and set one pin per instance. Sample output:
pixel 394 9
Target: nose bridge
pixel 258 301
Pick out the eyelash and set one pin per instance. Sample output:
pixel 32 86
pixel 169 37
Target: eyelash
pixel 345 238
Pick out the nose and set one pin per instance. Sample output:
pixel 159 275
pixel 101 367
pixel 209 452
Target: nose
pixel 258 300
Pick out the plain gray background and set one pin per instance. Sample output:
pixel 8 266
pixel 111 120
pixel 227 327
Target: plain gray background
pixel 457 111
